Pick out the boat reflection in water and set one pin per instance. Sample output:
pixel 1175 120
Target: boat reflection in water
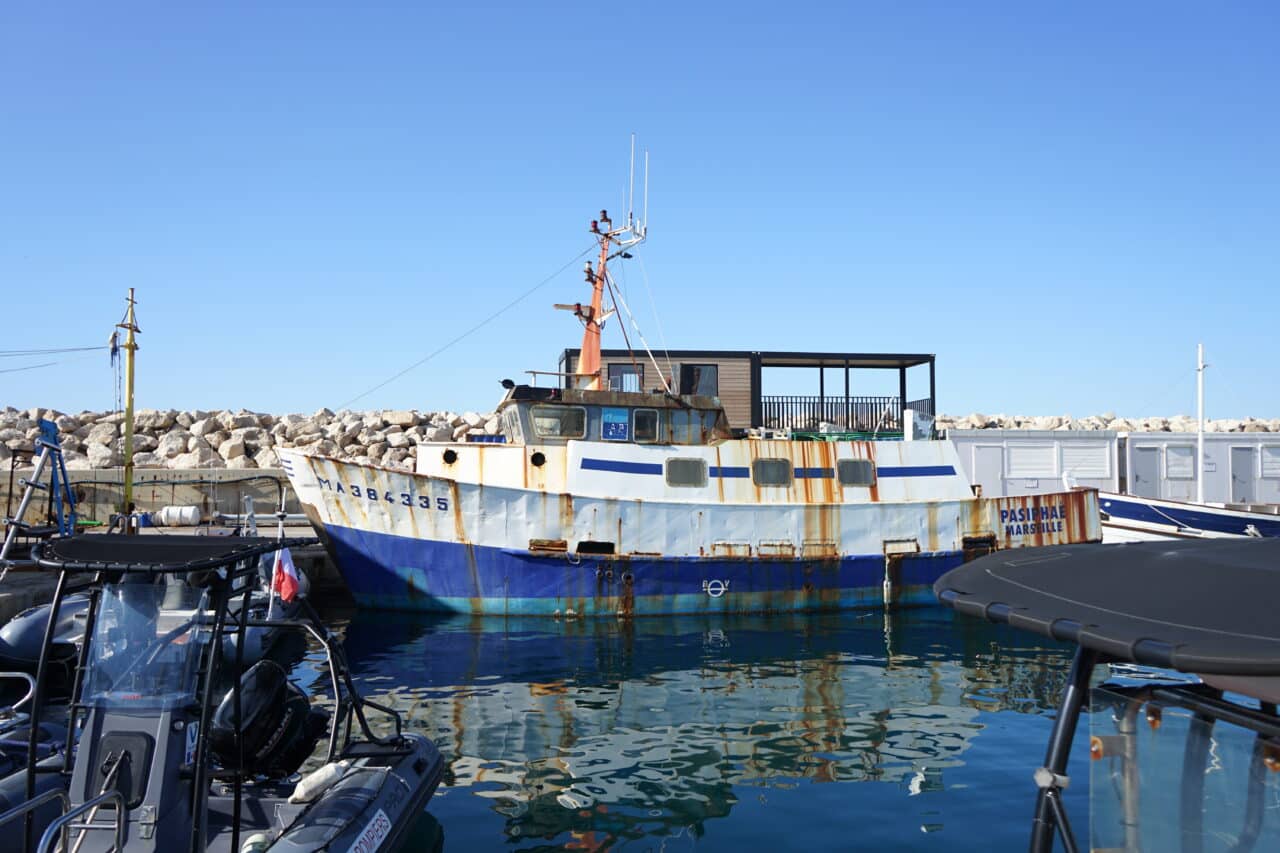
pixel 590 734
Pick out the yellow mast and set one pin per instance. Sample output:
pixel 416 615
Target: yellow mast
pixel 130 347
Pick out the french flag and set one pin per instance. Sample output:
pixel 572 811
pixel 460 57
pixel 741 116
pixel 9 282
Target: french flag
pixel 284 577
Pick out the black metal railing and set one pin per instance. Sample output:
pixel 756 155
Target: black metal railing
pixel 853 414
pixel 924 406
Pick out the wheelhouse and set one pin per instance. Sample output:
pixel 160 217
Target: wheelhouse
pixel 532 415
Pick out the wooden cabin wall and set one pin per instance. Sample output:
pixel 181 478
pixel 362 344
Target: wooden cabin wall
pixel 734 376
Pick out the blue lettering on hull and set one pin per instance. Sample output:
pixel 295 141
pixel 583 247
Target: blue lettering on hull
pixel 403 573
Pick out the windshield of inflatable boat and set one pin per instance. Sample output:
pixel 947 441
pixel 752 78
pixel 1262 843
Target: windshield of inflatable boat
pixel 148 640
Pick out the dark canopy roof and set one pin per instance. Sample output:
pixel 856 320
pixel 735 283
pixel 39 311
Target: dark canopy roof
pixel 774 358
pixel 169 553
pixel 1204 606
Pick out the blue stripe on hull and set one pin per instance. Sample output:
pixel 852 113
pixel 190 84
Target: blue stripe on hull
pixel 1199 518
pixel 402 573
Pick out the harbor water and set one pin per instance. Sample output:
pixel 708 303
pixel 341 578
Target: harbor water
pixel 913 730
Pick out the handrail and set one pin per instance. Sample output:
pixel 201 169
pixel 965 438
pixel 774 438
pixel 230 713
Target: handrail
pixel 35 803
pixel 60 825
pixel 31 689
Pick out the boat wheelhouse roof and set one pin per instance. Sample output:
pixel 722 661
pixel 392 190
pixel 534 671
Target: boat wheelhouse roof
pixel 621 399
pixel 1199 607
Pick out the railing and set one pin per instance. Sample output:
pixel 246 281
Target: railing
pixel 63 824
pixel 852 414
pixel 924 407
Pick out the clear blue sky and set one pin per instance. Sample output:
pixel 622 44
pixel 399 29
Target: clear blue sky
pixel 1059 201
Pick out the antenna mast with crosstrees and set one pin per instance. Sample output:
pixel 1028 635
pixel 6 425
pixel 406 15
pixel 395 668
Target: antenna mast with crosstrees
pixel 613 243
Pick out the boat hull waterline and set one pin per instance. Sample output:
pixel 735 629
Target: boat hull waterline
pixel 417 542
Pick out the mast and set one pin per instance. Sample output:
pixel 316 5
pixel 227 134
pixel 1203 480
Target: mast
pixel 1200 366
pixel 589 363
pixel 587 376
pixel 130 326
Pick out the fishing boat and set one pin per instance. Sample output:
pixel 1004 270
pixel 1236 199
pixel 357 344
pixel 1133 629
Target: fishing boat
pixel 1150 512
pixel 601 502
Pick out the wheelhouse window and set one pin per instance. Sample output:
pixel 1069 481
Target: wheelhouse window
pixel 646 429
pixel 626 377
pixel 772 472
pixel 701 379
pixel 511 426
pixel 559 421
pixel 686 472
pixel 856 472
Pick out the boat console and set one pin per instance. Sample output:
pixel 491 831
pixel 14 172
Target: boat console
pixel 174 745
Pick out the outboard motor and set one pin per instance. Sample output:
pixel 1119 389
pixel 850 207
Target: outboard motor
pixel 278 727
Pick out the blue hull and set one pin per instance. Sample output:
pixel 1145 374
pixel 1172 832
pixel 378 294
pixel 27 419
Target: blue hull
pixel 1190 516
pixel 402 573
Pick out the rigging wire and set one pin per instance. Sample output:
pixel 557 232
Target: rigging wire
pixel 486 321
pixel 656 319
pixel 613 293
pixel 18 353
pixel 45 364
pixel 29 367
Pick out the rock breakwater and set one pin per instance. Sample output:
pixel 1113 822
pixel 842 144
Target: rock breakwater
pixel 169 438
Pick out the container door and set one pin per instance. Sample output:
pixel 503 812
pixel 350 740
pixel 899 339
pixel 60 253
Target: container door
pixel 988 469
pixel 1145 482
pixel 1242 480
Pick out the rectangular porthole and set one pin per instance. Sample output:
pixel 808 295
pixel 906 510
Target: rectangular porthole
pixel 771 472
pixel 689 473
pixel 856 472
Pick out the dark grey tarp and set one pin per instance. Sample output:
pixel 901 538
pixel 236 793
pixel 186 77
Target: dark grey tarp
pixel 156 553
pixel 1207 606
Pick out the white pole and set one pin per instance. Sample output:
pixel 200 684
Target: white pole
pixel 646 193
pixel 1200 426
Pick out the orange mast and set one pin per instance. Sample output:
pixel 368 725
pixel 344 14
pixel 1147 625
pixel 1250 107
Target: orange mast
pixel 588 377
pixel 589 364
pixel 593 316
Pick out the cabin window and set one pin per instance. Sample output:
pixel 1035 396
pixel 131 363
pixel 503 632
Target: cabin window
pixel 702 379
pixel 772 472
pixel 626 377
pixel 511 425
pixel 559 421
pixel 686 472
pixel 1180 462
pixel 646 429
pixel 856 472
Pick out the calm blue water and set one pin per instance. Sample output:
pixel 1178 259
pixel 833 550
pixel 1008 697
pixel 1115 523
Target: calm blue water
pixel 919 731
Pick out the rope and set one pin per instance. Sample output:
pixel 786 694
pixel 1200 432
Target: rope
pixel 486 321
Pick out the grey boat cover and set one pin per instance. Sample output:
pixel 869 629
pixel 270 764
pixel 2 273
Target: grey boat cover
pixel 167 553
pixel 1206 606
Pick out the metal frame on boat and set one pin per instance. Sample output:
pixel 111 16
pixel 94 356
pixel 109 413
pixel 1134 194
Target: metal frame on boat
pixel 165 739
pixel 1115 603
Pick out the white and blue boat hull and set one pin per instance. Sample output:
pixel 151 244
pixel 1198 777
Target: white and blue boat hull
pixel 1132 518
pixel 427 542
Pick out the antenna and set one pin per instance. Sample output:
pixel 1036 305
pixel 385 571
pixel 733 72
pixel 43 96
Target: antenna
pixel 631 183
pixel 644 222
